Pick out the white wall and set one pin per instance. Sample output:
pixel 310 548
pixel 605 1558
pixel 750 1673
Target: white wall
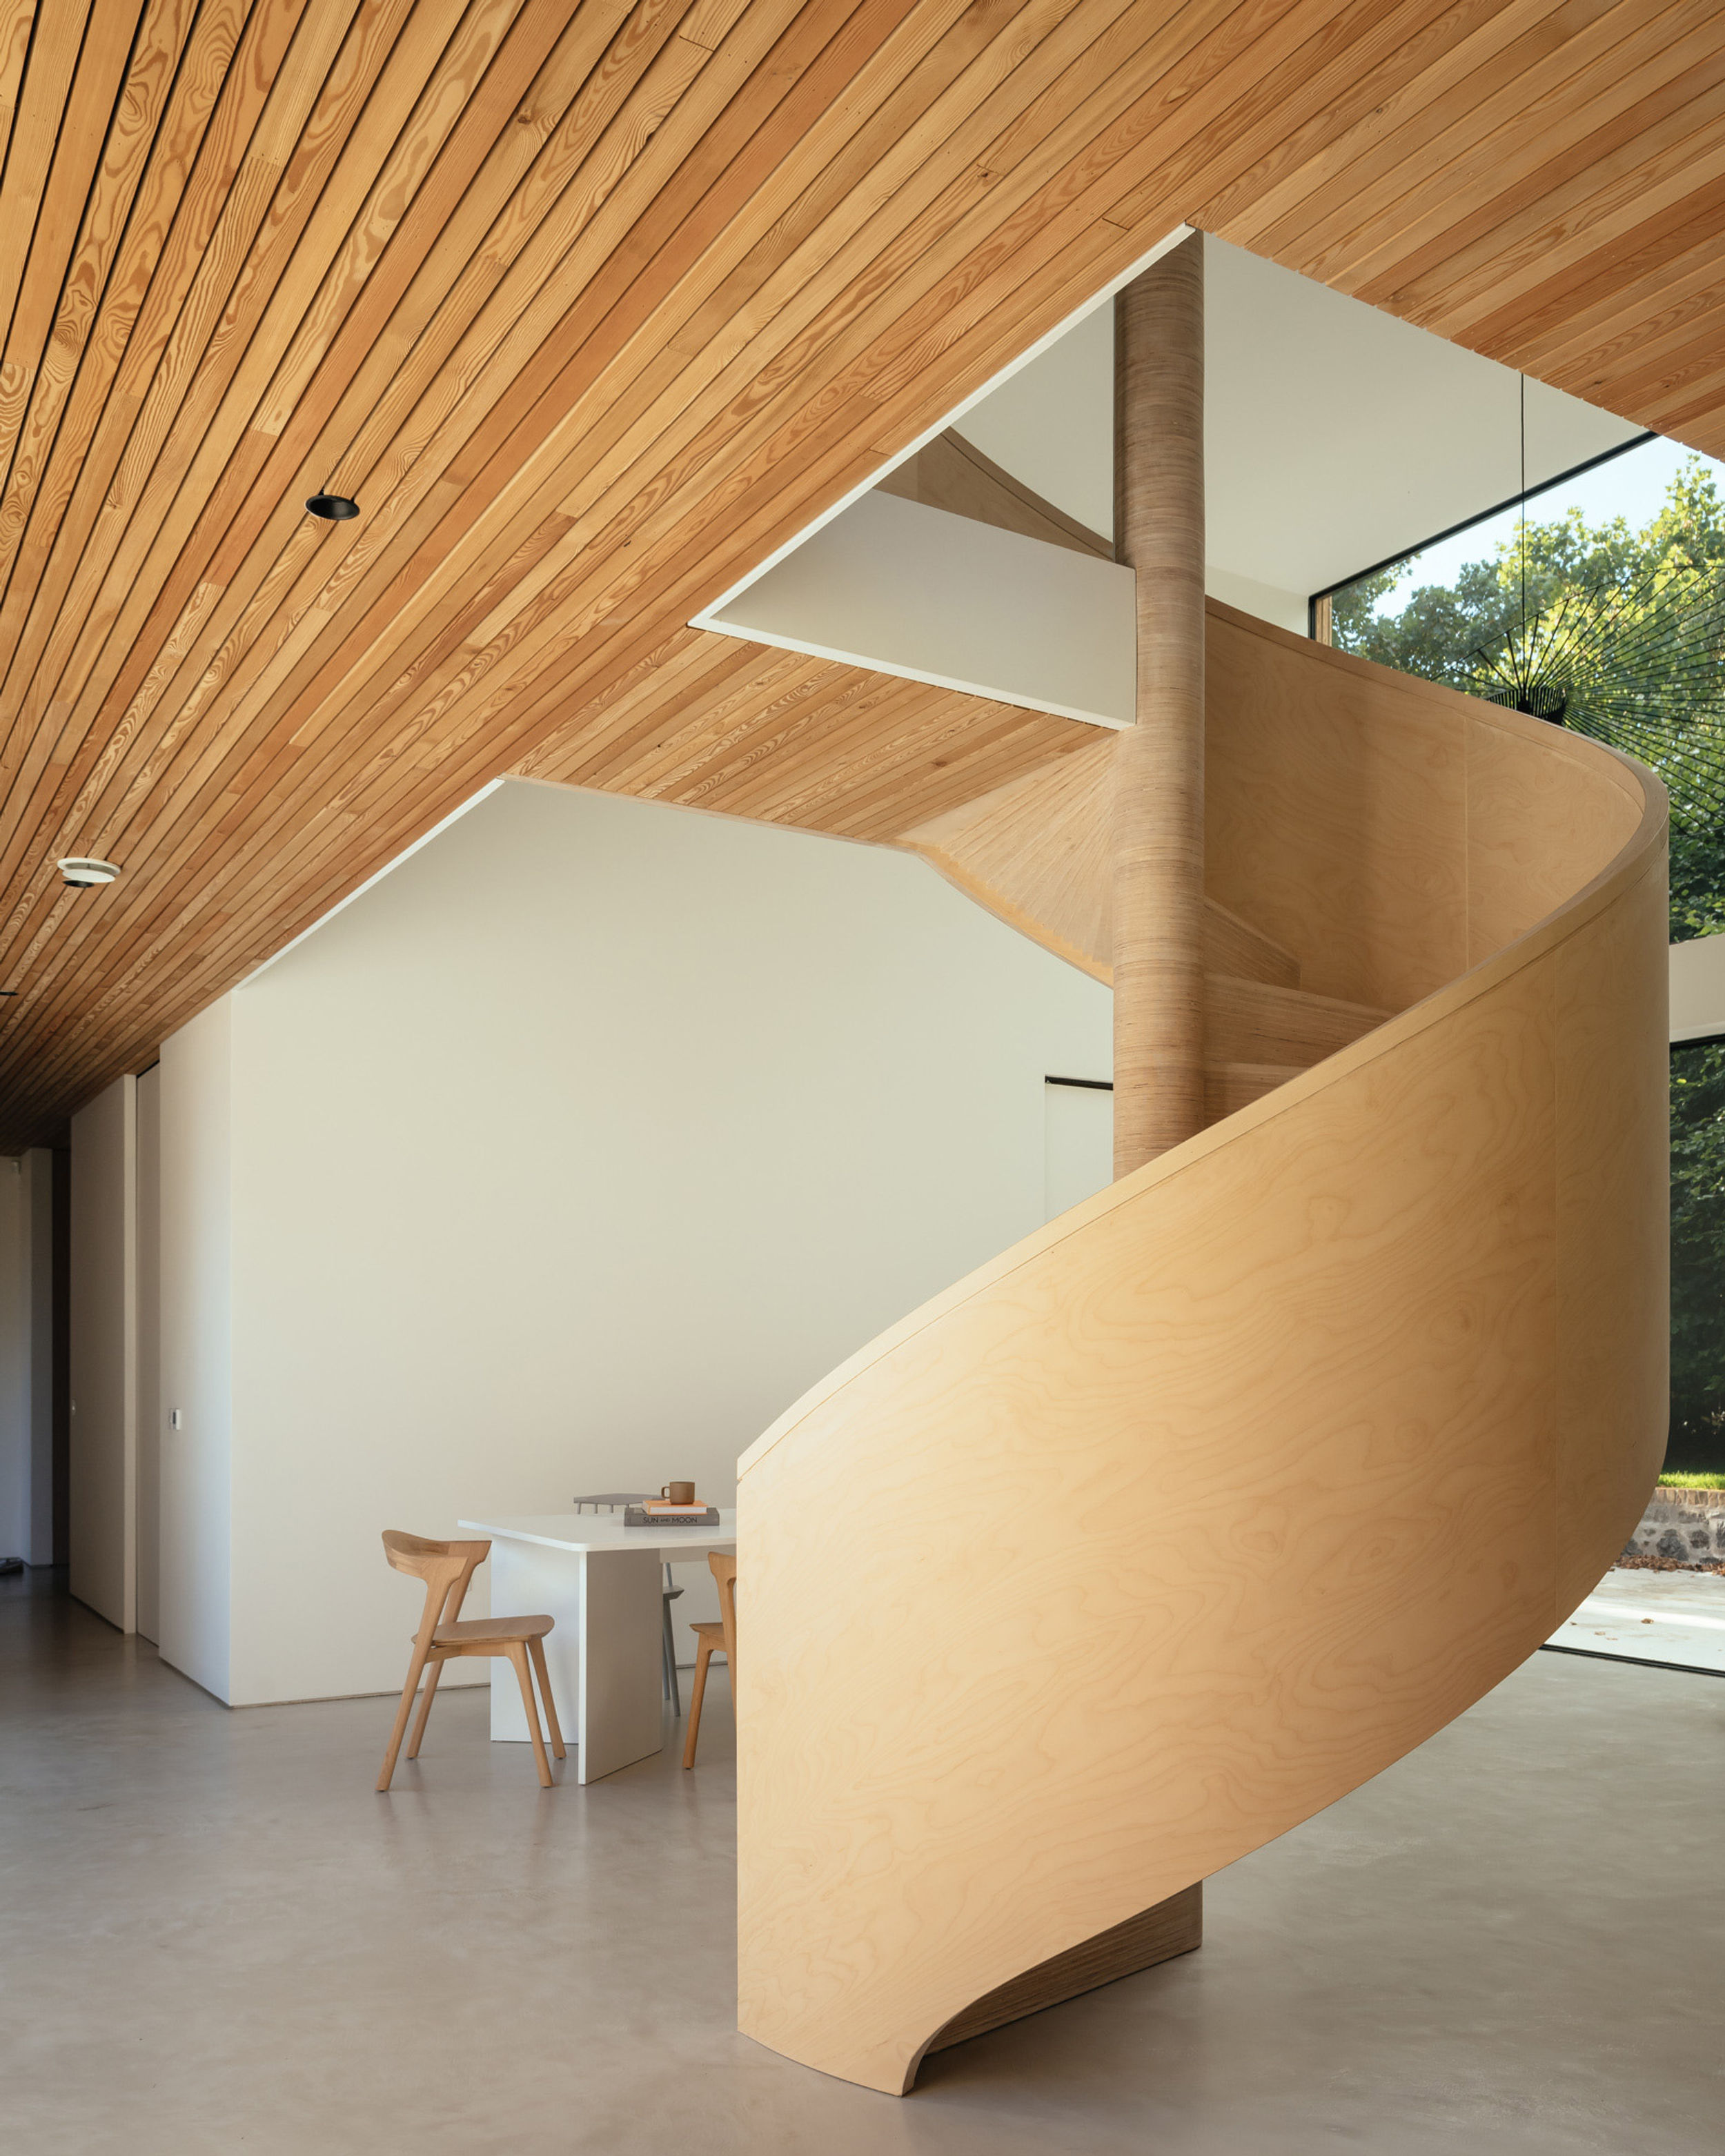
pixel 565 1158
pixel 26 1352
pixel 1078 1138
pixel 1288 610
pixel 1334 434
pixel 104 1352
pixel 195 1201
pixel 148 1262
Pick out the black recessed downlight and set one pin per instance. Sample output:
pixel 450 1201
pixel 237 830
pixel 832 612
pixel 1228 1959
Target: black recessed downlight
pixel 336 508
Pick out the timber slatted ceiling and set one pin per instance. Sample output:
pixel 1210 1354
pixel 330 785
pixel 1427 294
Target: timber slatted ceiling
pixel 590 306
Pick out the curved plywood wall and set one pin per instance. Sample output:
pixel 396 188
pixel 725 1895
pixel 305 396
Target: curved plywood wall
pixel 1199 1508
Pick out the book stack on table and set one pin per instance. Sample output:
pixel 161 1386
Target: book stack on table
pixel 660 1512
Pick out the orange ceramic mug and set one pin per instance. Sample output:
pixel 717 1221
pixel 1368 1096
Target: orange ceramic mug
pixel 679 1493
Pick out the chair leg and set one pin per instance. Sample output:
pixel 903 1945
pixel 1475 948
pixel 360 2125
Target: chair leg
pixel 703 1655
pixel 424 1713
pixel 536 1648
pixel 518 1656
pixel 672 1691
pixel 408 1690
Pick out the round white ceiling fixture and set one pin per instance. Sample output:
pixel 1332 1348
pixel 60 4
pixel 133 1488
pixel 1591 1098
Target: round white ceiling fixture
pixel 83 872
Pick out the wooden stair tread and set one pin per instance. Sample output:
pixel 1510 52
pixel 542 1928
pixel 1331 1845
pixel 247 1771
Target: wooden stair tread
pixel 1228 1087
pixel 1260 1022
pixel 1234 948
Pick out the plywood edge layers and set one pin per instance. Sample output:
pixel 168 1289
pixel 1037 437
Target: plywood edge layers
pixel 1173 1928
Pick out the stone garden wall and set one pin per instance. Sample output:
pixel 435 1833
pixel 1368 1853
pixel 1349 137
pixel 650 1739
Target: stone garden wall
pixel 1687 1527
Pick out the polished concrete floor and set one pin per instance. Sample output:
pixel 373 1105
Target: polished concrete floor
pixel 218 1939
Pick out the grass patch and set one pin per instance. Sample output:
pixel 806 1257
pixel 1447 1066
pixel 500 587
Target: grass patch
pixel 1693 1481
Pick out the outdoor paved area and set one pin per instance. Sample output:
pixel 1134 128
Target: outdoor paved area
pixel 1653 1617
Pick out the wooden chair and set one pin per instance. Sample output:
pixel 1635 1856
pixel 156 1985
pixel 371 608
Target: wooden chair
pixel 446 1568
pixel 710 1635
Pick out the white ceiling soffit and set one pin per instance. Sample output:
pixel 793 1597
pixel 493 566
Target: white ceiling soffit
pixel 1335 437
pixel 918 591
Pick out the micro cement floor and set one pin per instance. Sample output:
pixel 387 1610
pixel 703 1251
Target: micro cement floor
pixel 221 1942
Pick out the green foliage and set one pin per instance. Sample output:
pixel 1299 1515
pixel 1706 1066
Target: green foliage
pixel 1697 1439
pixel 1442 629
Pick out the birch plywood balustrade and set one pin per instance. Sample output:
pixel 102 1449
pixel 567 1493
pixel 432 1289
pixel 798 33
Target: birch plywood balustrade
pixel 1235 1483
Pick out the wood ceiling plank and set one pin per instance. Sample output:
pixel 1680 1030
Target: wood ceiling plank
pixel 1421 75
pixel 794 768
pixel 34 138
pixel 462 104
pixel 267 559
pixel 30 417
pixel 869 802
pixel 688 662
pixel 17 19
pixel 1591 311
pixel 962 54
pixel 771 753
pixel 1673 409
pixel 65 212
pixel 261 64
pixel 156 266
pixel 697 736
pixel 1495 142
pixel 153 571
pixel 1659 168
pixel 562 690
pixel 1689 350
pixel 219 213
pixel 1499 69
pixel 1557 140
pixel 1311 83
pixel 612 303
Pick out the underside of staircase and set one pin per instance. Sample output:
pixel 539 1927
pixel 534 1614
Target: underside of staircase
pixel 1232 1485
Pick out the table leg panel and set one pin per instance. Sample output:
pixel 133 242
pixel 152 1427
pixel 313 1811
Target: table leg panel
pixel 528 1580
pixel 622 1718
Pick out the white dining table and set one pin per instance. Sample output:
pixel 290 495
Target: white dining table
pixel 602 1583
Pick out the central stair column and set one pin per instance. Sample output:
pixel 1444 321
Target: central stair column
pixel 1158 842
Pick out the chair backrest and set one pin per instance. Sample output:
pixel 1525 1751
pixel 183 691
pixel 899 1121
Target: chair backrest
pixel 446 1568
pixel 724 1570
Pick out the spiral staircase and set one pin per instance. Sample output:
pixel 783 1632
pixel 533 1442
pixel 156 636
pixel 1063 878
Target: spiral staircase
pixel 1229 1487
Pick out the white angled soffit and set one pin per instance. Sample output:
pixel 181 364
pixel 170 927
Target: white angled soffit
pixel 903 589
pixel 918 591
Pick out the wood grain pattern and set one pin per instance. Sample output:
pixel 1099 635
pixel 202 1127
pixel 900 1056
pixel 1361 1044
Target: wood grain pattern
pixel 1293 1427
pixel 1155 817
pixel 1174 1927
pixel 951 473
pixel 1035 852
pixel 591 308
pixel 1254 1022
